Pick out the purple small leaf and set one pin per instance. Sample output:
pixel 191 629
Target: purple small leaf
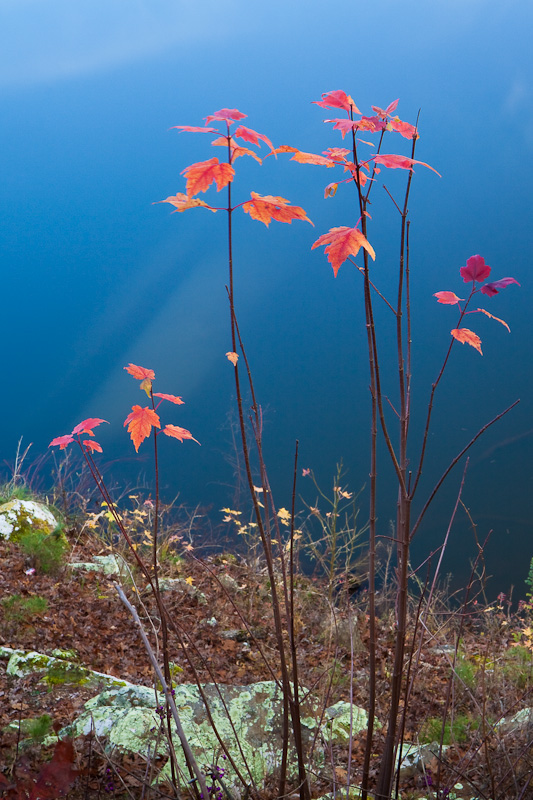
pixel 493 288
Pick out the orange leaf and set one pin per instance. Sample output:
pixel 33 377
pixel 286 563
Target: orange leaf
pixel 492 317
pixel 140 372
pixel 285 148
pixel 179 433
pixel 140 423
pixel 449 298
pixel 464 335
pixel 341 243
pixel 181 202
pixel 312 158
pixel 201 175
pixel 233 357
pixel 331 190
pixel 268 208
pixel 146 377
pixel 171 397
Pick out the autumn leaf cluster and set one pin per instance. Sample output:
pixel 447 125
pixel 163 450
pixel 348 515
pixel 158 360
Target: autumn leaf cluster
pixel 140 421
pixel 475 272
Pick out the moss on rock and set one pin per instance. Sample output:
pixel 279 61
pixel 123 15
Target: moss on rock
pixel 21 517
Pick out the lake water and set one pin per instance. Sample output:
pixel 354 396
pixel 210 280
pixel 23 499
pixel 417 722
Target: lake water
pixel 96 276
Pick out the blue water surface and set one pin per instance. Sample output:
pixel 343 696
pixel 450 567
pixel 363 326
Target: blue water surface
pixel 96 275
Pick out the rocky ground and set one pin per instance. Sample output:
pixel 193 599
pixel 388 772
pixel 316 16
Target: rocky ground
pixel 222 612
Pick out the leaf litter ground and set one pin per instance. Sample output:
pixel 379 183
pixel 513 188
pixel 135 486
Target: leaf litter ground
pixel 84 614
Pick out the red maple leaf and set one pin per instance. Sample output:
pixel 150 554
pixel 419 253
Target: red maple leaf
pixel 91 445
pixel 171 397
pixel 252 136
pixel 146 376
pixel 407 130
pixel 336 153
pixel 236 149
pixel 140 372
pixel 268 208
pixel 87 425
pixel 400 162
pixel 337 99
pixel 225 114
pixel 466 336
pixel 450 298
pixel 140 423
pixel 193 129
pixel 341 243
pixel 344 125
pixel 201 175
pixel 372 124
pixel 475 270
pixel 62 441
pixel 386 112
pixel 357 174
pixel 179 433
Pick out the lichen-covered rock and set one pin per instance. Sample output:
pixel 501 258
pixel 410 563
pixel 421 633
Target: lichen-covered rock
pixel 415 758
pixel 20 517
pixel 56 669
pixel 252 714
pixel 520 721
pixel 182 586
pixel 108 565
pixel 341 721
pixel 248 719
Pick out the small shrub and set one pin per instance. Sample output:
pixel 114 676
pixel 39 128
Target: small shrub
pixel 23 609
pixel 529 580
pixel 455 731
pixel 39 727
pixel 466 672
pixel 47 551
pixel 518 666
pixel 11 492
